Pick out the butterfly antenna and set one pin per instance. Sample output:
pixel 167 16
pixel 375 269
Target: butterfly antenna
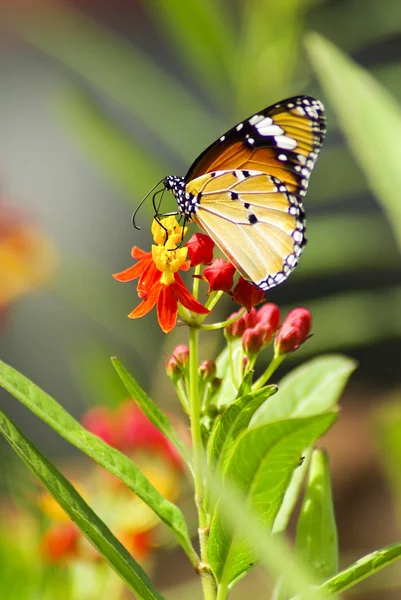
pixel 142 202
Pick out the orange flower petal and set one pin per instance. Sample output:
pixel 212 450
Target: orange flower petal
pixel 147 304
pixel 138 253
pixel 185 298
pixel 167 308
pixel 148 279
pixel 132 272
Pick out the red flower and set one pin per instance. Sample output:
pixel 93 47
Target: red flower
pixel 236 329
pixel 99 420
pixel 220 275
pixel 159 283
pixel 294 331
pixel 247 294
pixel 200 249
pixel 136 432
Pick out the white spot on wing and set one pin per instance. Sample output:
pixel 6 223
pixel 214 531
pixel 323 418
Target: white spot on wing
pixel 239 127
pixel 255 119
pixel 285 142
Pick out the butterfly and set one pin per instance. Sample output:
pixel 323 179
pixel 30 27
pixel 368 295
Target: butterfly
pixel 246 189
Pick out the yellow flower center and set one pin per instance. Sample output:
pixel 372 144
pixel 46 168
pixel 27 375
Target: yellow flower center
pixel 168 259
pixel 171 230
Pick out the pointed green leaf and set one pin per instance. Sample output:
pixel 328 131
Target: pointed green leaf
pixel 229 369
pixel 371 122
pixel 47 409
pixel 292 494
pixel 233 421
pixel 362 569
pixel 310 389
pixel 316 539
pixel 80 513
pixel 261 464
pixel 151 410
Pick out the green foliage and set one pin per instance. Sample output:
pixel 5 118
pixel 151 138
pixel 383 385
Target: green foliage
pixel 261 464
pixel 372 110
pixel 233 422
pixel 76 508
pixel 114 461
pixel 311 389
pixel 151 410
pixel 316 540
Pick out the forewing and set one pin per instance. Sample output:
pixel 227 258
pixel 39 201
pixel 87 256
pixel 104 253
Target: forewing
pixel 282 140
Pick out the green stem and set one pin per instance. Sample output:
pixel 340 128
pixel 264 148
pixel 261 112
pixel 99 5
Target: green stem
pixel 208 582
pixel 222 324
pixel 273 366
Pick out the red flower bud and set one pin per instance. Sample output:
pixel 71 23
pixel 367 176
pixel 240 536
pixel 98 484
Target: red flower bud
pixel 236 329
pixel 252 341
pixel 178 362
pixel 99 420
pixel 266 332
pixel 200 249
pixel 269 314
pixel 294 331
pixel 207 370
pixel 60 541
pixel 220 275
pixel 247 294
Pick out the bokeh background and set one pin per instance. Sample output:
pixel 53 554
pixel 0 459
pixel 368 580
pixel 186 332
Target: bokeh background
pixel 98 101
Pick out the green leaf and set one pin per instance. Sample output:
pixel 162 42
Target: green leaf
pixel 362 569
pixel 151 410
pixel 310 389
pixel 233 421
pixel 370 122
pixel 229 369
pixel 261 464
pixel 316 539
pixel 114 461
pixel 80 513
pixel 292 494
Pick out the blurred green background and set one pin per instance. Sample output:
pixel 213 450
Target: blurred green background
pixel 99 100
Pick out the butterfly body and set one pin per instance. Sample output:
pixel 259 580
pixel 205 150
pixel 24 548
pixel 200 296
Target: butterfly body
pixel 245 190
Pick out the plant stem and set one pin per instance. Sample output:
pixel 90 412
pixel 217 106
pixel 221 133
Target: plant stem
pixel 273 366
pixel 208 582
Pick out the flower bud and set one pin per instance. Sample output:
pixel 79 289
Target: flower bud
pixel 220 275
pixel 216 385
pixel 178 362
pixel 236 329
pixel 252 341
pixel 266 332
pixel 207 370
pixel 247 294
pixel 200 249
pixel 294 331
pixel 269 314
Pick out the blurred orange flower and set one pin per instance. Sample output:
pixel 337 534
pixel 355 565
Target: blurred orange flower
pixel 27 257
